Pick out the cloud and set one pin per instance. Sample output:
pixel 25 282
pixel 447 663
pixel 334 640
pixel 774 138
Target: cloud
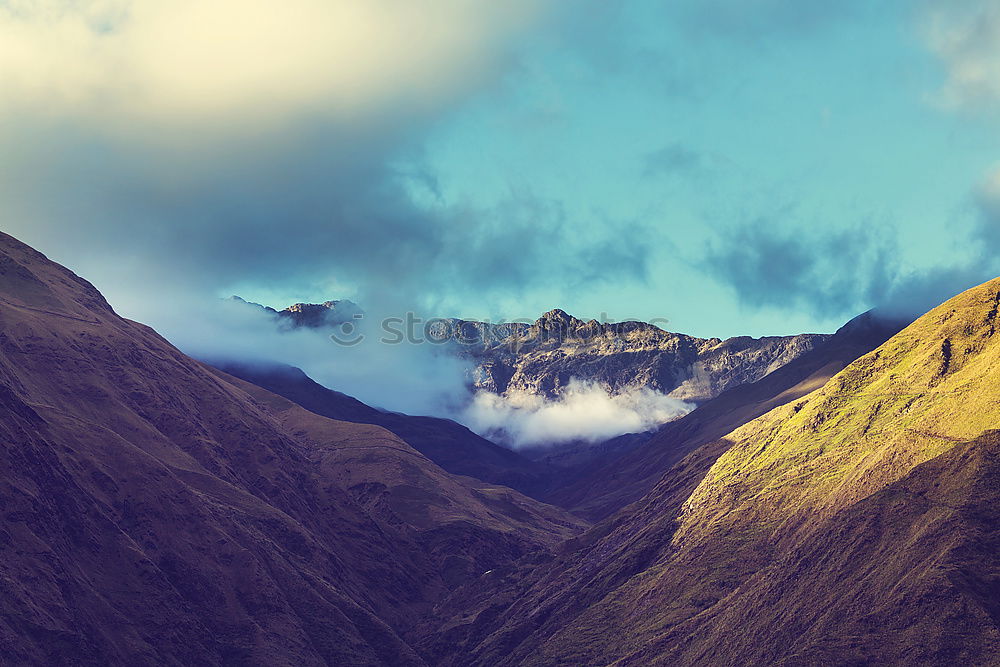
pixel 296 212
pixel 987 201
pixel 841 273
pixel 583 411
pixel 232 146
pixel 209 59
pixel 822 272
pixel 175 152
pixel 411 378
pixel 965 35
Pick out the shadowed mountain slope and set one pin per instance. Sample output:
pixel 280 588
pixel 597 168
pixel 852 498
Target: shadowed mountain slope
pixel 856 525
pixel 466 525
pixel 449 444
pixel 154 512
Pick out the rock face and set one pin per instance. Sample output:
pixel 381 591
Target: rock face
pixel 542 357
pixel 856 524
pixel 157 511
pixel 311 315
pixel 317 315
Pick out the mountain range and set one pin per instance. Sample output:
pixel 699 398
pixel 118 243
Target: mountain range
pixel 856 524
pixel 831 500
pixel 544 356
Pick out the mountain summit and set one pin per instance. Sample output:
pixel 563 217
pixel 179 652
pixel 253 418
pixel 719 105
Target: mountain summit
pixel 542 357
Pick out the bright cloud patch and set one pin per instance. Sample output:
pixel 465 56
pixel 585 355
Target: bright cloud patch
pixel 583 411
pixel 965 34
pixel 196 58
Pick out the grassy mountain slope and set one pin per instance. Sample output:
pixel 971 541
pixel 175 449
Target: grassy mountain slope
pixel 466 525
pixel 154 512
pixel 449 444
pixel 605 487
pixel 853 526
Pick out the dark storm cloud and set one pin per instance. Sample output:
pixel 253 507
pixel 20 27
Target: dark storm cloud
pixel 313 204
pixel 838 274
pixel 820 272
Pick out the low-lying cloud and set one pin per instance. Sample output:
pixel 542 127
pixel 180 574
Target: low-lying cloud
pixel 416 379
pixel 583 411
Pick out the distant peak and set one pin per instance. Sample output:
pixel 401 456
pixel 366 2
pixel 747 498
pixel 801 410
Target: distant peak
pixel 240 300
pixel 557 315
pixel 328 313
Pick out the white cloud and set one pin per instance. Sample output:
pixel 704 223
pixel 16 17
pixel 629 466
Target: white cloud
pixel 987 200
pixel 182 60
pixel 409 378
pixel 583 411
pixel 965 34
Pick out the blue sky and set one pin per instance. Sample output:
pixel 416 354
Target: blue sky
pixel 756 167
pixel 693 129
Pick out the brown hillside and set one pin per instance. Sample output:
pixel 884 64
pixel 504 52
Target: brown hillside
pixel 156 513
pixel 854 526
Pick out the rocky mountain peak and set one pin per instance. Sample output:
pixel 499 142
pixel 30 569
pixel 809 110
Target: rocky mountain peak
pixel 556 315
pixel 317 315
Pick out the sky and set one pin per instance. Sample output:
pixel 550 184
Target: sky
pixel 733 167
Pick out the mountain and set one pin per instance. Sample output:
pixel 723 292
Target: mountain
pixel 856 524
pixel 466 525
pixel 605 485
pixel 157 511
pixel 842 509
pixel 311 315
pixel 543 356
pixel 447 443
pixel 317 315
pixel 592 480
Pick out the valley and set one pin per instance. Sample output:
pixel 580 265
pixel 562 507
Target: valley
pixel 266 518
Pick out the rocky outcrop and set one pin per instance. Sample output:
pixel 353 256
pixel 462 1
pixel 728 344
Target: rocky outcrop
pixel 542 357
pixel 317 315
pixel 310 315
